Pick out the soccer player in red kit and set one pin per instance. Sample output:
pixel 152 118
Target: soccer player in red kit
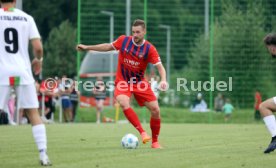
pixel 134 55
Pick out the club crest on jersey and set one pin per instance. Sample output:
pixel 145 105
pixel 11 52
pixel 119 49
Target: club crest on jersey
pixel 140 55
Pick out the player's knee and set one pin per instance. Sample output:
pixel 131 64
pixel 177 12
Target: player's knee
pixel 155 111
pixel 123 102
pixel 124 105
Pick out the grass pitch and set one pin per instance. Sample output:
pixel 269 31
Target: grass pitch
pixel 185 145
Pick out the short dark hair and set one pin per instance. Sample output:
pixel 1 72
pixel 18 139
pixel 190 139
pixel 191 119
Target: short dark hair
pixel 139 22
pixel 5 1
pixel 270 39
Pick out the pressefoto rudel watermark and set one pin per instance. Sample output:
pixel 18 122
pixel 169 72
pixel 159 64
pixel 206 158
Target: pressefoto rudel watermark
pixel 182 84
pixel 197 86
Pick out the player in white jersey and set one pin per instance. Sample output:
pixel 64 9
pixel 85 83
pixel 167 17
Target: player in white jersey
pixel 269 106
pixel 16 30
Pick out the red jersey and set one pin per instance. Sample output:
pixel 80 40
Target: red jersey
pixel 133 58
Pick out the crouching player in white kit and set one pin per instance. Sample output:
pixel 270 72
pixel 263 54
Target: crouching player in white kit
pixel 16 29
pixel 269 106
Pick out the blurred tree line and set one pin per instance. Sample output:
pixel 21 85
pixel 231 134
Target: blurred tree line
pixel 57 22
pixel 239 51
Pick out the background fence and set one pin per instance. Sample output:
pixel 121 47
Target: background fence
pixel 235 49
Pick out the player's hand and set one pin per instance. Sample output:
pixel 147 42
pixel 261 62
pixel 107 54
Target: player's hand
pixel 163 86
pixel 81 47
pixel 37 66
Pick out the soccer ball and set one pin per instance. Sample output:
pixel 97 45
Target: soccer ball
pixel 130 141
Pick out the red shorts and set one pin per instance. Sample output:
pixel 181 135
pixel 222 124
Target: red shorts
pixel 141 91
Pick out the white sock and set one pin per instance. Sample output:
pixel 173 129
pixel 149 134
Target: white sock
pixel 270 123
pixel 39 133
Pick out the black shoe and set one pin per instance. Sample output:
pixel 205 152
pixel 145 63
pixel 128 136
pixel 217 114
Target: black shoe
pixel 272 146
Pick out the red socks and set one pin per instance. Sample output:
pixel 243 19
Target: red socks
pixel 155 125
pixel 133 119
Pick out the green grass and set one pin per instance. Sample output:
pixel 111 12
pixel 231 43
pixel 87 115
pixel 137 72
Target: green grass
pixel 173 115
pixel 185 145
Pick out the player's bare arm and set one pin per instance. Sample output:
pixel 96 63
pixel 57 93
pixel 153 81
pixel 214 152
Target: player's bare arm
pixel 98 47
pixel 163 86
pixel 38 55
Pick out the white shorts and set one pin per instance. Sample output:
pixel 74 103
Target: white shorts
pixel 26 96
